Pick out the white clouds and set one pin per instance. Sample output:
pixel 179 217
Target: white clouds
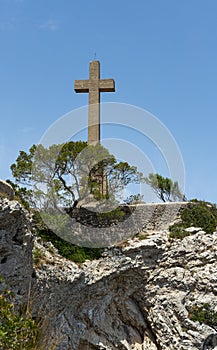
pixel 50 25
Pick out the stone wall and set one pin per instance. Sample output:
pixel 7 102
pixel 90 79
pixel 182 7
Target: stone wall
pixel 157 216
pixel 101 230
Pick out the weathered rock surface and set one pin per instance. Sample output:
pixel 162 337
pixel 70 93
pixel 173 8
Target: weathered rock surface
pixel 134 297
pixel 6 190
pixel 15 249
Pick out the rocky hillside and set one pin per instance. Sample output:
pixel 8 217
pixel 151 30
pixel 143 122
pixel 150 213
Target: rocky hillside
pixel 16 243
pixel 142 295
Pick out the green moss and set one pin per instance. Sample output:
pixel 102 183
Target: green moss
pixel 203 314
pixel 142 236
pixel 199 214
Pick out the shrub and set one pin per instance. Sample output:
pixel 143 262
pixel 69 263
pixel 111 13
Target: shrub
pixel 66 249
pixel 69 250
pixel 197 213
pixel 178 231
pixel 203 314
pixel 17 331
pixel 37 255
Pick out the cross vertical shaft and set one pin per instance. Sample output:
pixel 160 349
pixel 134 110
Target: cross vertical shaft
pixel 94 86
pixel 94 104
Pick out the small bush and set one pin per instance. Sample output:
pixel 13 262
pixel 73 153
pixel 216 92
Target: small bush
pixel 203 314
pixel 37 255
pixel 17 331
pixel 69 250
pixel 178 231
pixel 66 249
pixel 199 214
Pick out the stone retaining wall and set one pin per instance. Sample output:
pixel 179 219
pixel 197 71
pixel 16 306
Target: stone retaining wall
pixel 158 216
pixel 150 216
pixel 95 229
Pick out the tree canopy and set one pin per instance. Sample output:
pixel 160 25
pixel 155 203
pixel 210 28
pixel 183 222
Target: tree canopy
pixel 66 173
pixel 164 188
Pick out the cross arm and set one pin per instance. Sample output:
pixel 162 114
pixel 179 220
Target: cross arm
pixel 107 85
pixel 81 85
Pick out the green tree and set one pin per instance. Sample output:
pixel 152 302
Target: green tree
pixel 134 199
pixel 165 188
pixel 66 173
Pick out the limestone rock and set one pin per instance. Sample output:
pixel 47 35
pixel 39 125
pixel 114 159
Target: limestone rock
pixel 15 249
pixel 137 296
pixel 193 229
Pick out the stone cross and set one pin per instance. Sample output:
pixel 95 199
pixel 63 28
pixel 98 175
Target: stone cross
pixel 94 86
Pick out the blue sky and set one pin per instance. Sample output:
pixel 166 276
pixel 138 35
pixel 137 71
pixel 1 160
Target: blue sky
pixel 162 54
